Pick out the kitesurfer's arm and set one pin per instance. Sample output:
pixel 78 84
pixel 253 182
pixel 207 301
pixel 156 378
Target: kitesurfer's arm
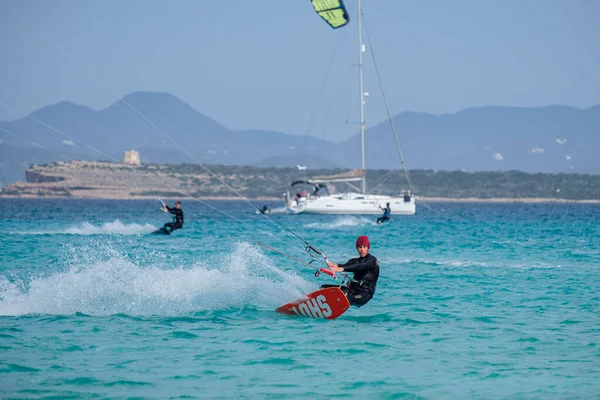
pixel 354 265
pixel 339 268
pixel 334 267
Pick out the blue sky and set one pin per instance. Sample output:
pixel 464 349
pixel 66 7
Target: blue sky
pixel 274 64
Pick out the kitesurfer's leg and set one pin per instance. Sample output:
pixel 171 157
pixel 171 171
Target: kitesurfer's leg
pixel 174 225
pixel 358 298
pixel 169 226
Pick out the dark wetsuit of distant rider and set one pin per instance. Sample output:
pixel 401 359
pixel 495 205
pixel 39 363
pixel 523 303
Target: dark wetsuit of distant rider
pixel 387 214
pixel 177 217
pixel 366 272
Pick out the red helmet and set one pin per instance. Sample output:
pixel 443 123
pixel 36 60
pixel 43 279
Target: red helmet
pixel 363 241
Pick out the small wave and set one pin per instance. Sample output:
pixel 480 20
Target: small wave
pixel 437 263
pixel 471 264
pixel 341 222
pixel 384 317
pixel 108 228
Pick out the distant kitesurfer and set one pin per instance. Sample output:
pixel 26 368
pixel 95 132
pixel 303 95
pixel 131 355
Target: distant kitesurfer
pixel 366 272
pixel 264 209
pixel 177 217
pixel 316 189
pixel 387 214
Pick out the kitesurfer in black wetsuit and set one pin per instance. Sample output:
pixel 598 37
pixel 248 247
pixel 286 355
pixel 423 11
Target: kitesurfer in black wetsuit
pixel 366 272
pixel 177 217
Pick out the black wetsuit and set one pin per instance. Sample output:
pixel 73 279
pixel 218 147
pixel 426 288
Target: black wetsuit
pixel 362 288
pixel 177 218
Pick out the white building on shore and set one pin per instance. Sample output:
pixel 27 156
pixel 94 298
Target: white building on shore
pixel 131 157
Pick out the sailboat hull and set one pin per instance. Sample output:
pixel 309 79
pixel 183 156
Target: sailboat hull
pixel 360 204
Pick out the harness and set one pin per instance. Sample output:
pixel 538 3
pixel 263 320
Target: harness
pixel 178 219
pixel 365 285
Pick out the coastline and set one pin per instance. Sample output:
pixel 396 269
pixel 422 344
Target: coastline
pixel 503 200
pixel 528 200
pixel 173 198
pixel 109 181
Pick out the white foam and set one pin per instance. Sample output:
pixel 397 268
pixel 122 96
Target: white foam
pixel 243 278
pixel 341 222
pixel 108 228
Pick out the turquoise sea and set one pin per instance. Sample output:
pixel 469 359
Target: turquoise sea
pixel 478 301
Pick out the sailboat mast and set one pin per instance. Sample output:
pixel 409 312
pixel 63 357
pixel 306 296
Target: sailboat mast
pixel 361 49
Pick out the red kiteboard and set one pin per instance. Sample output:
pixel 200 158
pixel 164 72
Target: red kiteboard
pixel 328 303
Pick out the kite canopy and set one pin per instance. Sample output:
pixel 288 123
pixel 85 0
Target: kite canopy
pixel 332 11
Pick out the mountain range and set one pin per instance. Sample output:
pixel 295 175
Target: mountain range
pixel 164 129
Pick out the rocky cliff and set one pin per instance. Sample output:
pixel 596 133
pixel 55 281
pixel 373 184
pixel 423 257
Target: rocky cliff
pixel 95 179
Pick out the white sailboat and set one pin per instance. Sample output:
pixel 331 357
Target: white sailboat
pixel 351 202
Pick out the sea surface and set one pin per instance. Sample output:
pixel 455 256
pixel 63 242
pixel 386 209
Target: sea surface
pixel 482 301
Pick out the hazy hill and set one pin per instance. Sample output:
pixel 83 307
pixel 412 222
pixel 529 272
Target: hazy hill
pixel 547 139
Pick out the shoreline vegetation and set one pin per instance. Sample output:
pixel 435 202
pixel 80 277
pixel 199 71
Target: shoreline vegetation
pixel 224 198
pixel 110 180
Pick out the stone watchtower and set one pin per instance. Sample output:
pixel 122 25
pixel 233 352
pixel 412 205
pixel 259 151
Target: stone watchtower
pixel 131 157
